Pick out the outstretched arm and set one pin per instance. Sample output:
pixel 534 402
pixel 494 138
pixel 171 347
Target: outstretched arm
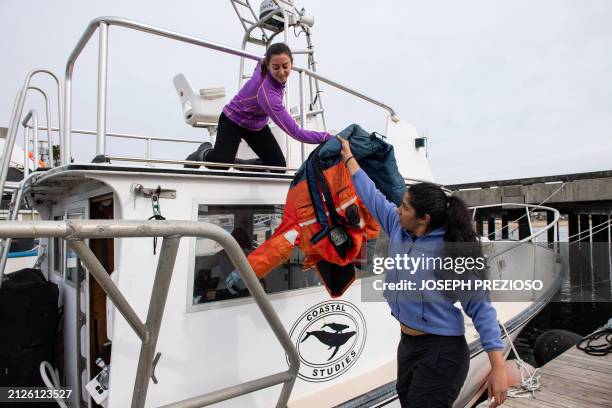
pixel 381 209
pixel 272 104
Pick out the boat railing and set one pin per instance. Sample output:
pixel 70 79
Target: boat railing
pixel 529 208
pixel 65 103
pixel 15 122
pixel 9 145
pixel 101 24
pixel 148 148
pixel 148 140
pixel 75 231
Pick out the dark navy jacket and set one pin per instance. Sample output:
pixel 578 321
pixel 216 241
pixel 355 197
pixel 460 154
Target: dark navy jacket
pixel 374 155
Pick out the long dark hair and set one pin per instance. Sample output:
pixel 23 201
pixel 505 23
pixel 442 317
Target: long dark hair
pixel 275 49
pixel 449 212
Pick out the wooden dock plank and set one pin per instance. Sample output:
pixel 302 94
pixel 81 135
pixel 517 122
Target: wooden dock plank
pixel 572 380
pixel 583 363
pixel 589 370
pixel 584 377
pixel 570 393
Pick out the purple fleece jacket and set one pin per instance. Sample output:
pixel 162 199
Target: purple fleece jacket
pixel 261 98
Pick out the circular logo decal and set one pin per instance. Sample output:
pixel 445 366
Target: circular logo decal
pixel 329 337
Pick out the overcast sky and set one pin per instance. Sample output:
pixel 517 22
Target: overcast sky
pixel 502 89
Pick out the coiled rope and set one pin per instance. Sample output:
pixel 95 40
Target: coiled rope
pixel 530 381
pixel 602 348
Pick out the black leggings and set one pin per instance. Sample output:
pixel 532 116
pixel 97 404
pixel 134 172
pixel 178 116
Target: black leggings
pixel 261 141
pixel 431 370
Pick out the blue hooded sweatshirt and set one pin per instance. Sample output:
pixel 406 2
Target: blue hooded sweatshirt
pixel 430 311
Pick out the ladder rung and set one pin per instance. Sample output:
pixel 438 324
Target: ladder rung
pixel 272 28
pixel 247 20
pixel 302 51
pixel 256 41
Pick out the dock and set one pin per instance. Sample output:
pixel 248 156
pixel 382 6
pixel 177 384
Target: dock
pixel 573 379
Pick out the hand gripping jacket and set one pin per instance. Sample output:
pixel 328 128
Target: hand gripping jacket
pixel 323 215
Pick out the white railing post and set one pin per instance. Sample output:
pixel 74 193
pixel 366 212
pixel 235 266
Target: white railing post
pixel 102 76
pixel 148 148
pixel 26 146
pixel 35 151
pixel 303 110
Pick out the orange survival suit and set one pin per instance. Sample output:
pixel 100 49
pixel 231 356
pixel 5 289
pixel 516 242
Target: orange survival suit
pixel 325 218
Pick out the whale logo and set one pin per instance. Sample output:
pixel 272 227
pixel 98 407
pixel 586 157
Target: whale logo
pixel 333 340
pixel 334 325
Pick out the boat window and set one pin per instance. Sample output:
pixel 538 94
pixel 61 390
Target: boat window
pixel 57 250
pixel 23 244
pixel 71 266
pixel 251 226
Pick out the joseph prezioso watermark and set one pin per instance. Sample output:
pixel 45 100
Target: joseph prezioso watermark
pixel 409 273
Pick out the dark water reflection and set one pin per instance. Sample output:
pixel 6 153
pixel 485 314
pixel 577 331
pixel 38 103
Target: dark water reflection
pixel 584 301
pixel 582 304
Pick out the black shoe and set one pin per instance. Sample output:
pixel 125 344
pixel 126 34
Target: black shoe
pixel 198 155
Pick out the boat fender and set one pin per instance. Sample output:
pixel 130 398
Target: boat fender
pixel 513 372
pixel 553 343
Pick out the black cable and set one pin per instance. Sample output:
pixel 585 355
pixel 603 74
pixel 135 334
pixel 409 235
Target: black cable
pixel 597 349
pixel 298 34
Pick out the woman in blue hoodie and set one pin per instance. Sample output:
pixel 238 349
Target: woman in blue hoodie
pixel 433 357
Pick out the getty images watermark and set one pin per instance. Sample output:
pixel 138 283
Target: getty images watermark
pixel 507 271
pixel 436 273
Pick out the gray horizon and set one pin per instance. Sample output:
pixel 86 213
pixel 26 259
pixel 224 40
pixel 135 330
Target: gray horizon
pixel 502 90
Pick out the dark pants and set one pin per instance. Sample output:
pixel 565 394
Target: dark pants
pixel 431 370
pixel 262 142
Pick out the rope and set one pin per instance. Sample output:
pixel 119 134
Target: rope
pixel 528 212
pixel 530 382
pixel 46 371
pixel 590 230
pixel 602 349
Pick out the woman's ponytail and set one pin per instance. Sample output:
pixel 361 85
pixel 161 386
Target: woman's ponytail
pixel 461 238
pixel 451 213
pixel 458 222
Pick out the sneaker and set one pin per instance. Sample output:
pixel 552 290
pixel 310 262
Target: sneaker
pixel 198 155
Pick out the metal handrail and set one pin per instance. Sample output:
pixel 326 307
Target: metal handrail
pixel 33 116
pixel 48 115
pixel 533 235
pixel 16 116
pixel 122 135
pixel 223 166
pixel 12 214
pixel 74 231
pixel 148 139
pixel 104 22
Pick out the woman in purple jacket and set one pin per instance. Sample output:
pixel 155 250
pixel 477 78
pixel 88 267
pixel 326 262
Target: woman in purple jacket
pixel 246 116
